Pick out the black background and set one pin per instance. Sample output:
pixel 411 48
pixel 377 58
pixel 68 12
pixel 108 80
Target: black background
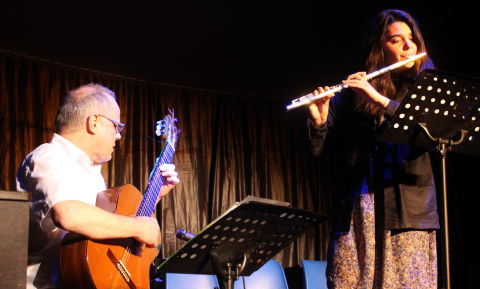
pixel 275 48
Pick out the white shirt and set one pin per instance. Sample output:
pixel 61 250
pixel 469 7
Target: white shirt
pixel 54 172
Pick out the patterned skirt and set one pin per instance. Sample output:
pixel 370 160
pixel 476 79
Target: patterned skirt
pixel 408 258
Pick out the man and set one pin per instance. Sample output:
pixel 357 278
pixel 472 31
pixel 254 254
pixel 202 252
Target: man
pixel 64 178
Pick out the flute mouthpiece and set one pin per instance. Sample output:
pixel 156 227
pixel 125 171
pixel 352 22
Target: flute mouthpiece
pixel 417 56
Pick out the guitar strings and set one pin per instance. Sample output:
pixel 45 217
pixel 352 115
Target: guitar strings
pixel 148 203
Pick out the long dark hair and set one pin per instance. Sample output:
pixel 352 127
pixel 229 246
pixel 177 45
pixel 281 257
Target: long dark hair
pixel 374 57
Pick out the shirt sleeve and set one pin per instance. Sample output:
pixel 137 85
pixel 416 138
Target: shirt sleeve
pixel 391 109
pixel 48 176
pixel 311 139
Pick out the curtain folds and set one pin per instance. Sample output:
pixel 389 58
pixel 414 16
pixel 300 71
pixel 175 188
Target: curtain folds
pixel 230 146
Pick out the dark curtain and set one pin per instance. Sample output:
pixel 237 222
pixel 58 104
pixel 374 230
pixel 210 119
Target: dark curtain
pixel 230 146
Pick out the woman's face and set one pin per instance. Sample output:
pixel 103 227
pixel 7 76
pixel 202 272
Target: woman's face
pixel 399 44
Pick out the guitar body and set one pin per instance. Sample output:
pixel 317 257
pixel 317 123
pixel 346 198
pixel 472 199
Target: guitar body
pixel 108 263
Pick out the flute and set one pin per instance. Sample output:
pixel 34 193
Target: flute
pixel 306 99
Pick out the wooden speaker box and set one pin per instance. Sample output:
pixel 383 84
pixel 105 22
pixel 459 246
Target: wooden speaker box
pixel 14 214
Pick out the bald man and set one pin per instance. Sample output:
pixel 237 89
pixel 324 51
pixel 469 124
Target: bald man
pixel 64 177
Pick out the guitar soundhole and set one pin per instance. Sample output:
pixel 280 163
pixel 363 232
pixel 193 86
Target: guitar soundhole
pixel 136 248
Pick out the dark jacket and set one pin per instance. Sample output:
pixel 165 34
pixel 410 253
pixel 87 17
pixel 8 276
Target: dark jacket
pixel 402 173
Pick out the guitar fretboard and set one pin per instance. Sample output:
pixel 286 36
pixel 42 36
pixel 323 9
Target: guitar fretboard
pixel 155 183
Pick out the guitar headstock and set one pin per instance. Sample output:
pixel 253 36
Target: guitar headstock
pixel 167 129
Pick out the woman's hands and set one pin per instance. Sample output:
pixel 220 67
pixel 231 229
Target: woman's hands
pixel 359 83
pixel 319 108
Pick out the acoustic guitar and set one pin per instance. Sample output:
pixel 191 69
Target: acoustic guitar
pixel 118 263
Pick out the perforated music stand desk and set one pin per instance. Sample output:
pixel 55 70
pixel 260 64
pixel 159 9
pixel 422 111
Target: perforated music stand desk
pixel 441 111
pixel 242 240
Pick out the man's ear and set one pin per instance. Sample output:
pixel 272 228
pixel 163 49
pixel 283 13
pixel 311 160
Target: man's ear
pixel 93 123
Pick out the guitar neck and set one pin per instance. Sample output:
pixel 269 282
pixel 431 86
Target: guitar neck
pixel 155 182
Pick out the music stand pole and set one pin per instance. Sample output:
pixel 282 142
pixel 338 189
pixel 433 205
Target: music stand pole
pixel 441 153
pixel 442 158
pixel 442 146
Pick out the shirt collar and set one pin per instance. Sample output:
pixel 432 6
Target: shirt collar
pixel 73 152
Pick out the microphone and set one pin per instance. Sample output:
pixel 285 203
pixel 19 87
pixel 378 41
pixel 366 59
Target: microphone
pixel 184 235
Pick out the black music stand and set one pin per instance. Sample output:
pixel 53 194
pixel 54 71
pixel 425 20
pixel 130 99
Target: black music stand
pixel 441 111
pixel 241 240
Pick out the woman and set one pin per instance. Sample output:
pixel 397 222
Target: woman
pixel 390 244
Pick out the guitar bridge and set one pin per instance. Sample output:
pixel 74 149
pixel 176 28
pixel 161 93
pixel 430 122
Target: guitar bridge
pixel 121 269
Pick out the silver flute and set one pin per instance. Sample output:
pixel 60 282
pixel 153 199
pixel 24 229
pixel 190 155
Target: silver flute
pixel 306 99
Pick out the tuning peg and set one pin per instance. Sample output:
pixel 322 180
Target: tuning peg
pixel 158 128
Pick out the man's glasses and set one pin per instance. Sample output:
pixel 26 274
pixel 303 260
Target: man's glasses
pixel 118 125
